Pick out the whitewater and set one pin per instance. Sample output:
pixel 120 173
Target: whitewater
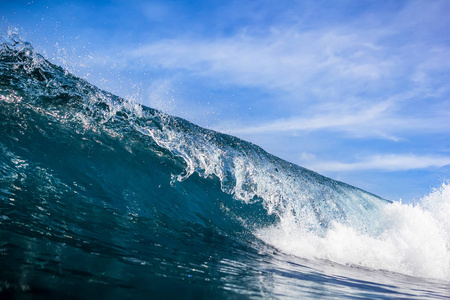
pixel 103 197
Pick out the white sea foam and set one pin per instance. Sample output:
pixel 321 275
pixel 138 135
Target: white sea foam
pixel 413 239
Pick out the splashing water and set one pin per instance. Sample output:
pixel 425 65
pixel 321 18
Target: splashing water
pixel 100 192
pixel 413 239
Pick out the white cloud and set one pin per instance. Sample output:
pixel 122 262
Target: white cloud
pixel 380 120
pixel 344 60
pixel 354 68
pixel 335 120
pixel 287 59
pixel 389 162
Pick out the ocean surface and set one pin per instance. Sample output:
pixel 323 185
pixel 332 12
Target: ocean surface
pixel 104 198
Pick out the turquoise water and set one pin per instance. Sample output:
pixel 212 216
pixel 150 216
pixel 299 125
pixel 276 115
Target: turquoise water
pixel 102 197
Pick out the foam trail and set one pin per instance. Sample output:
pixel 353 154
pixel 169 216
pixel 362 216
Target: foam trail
pixel 414 239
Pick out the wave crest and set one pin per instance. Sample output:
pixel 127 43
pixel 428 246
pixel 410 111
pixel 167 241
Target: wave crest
pixel 413 239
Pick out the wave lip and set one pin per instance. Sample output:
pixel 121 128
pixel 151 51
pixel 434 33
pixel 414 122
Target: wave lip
pixel 245 171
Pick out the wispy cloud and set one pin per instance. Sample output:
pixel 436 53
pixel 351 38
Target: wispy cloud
pixel 324 61
pixel 380 120
pixel 390 162
pixel 339 78
pixel 287 59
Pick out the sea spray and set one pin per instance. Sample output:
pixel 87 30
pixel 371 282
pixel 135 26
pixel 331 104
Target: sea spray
pixel 413 239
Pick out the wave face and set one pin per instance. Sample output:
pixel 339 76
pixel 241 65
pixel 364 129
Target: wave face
pixel 97 191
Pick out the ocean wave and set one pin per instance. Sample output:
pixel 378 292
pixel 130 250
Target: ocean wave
pixel 87 174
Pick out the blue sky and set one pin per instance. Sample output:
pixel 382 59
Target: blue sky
pixel 355 90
